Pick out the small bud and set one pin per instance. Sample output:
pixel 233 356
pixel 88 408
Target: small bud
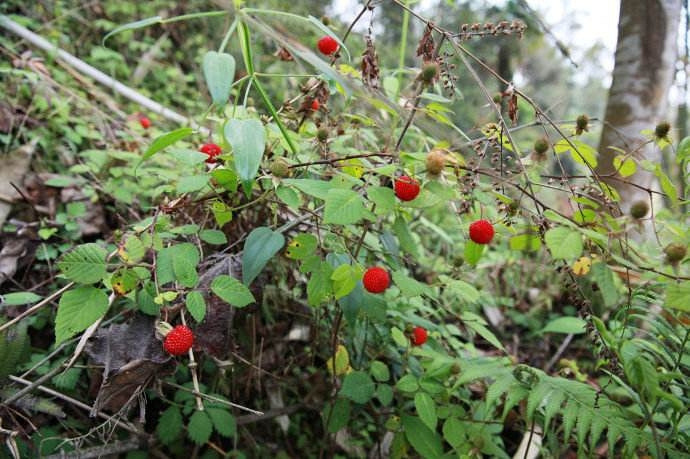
pixel 429 72
pixel 675 253
pixel 325 20
pixel 498 97
pixel 639 209
pixel 661 130
pixel 582 124
pixel 455 369
pixel 280 167
pixel 435 162
pixel 322 134
pixel 541 146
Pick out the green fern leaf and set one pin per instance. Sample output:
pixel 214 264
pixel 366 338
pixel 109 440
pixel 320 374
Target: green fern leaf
pixel 536 397
pixel 569 416
pixel 552 406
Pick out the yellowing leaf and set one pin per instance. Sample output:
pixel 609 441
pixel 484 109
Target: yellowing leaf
pixel 581 267
pixel 341 359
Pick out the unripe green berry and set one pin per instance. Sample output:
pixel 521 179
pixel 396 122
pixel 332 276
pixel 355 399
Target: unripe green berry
pixel 429 72
pixel 541 146
pixel 675 252
pixel 325 20
pixel 280 167
pixel 498 98
pixel 322 134
pixel 455 369
pixel 639 209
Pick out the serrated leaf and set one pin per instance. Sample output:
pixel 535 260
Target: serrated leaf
pixel 426 409
pixel 564 243
pixel 165 265
pixel 232 291
pixel 383 197
pixel 261 245
pixel 223 421
pixel 169 425
pixel 301 246
pixel 77 310
pixel 214 237
pixel 358 387
pixel 85 264
pixel 196 305
pixel 316 188
pixel 624 165
pixel 219 72
pixel 185 271
pixel 226 178
pixel 425 441
pixel 248 141
pixel 199 428
pixel 165 140
pixel 667 185
pixel 133 250
pixel 344 207
pixel 345 278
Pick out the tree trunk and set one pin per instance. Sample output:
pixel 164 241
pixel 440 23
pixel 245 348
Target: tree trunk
pixel 645 61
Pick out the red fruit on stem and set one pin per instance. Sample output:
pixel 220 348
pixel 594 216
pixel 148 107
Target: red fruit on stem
pixel 145 122
pixel 315 104
pixel 327 45
pixel 212 150
pixel 419 336
pixel 406 188
pixel 481 231
pixel 376 279
pixel 178 340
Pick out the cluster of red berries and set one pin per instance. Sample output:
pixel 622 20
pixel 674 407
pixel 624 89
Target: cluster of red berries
pixel 178 340
pixel 211 150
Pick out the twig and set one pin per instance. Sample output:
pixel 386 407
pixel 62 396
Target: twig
pixel 558 353
pixel 214 399
pixel 36 307
pixel 100 450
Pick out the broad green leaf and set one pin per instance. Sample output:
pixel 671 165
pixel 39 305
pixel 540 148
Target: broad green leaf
pixel 184 269
pixel 344 207
pixel 399 337
pixel 289 196
pixel 133 250
pixel 248 141
pixel 261 245
pixel 169 425
pixel 337 415
pixel 226 178
pixel 529 242
pixel 678 296
pixel 624 165
pixel 341 361
pixel 232 291
pixel 165 140
pixel 301 246
pixel 345 278
pixel 219 72
pixel 407 383
pixel 18 298
pixel 223 421
pixel 85 264
pixel 409 287
pixel 192 183
pixel 320 285
pixel 196 305
pixel 582 153
pixel 567 325
pixel 667 185
pixel 170 264
pixel 384 393
pixel 383 197
pixel 77 310
pixel 316 188
pixel 426 409
pixel 683 150
pixel 200 427
pixel 462 289
pixel 379 371
pixel 473 252
pixel 603 276
pixel 358 387
pixel 425 441
pixel 454 432
pixel 564 243
pixel 214 237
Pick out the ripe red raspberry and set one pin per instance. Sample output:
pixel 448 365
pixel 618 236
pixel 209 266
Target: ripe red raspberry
pixel 376 279
pixel 419 336
pixel 328 45
pixel 315 104
pixel 145 122
pixel 406 188
pixel 178 340
pixel 481 231
pixel 212 150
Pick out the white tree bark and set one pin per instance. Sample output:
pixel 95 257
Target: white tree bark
pixel 638 98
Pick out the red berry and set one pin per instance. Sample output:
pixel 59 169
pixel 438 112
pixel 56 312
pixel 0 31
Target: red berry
pixel 315 104
pixel 212 150
pixel 328 45
pixel 376 279
pixel 406 188
pixel 145 122
pixel 481 231
pixel 178 340
pixel 419 336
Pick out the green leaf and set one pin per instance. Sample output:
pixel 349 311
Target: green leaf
pixel 178 262
pixel 603 276
pixel 289 196
pixel 481 329
pixel 383 197
pixel 384 393
pixel 683 150
pixel 667 185
pixel 345 278
pixel 18 298
pixel 407 383
pixel 262 243
pixel 409 287
pixel 316 188
pixel 320 285
pixel 85 264
pixel 214 237
pixel 454 432
pixel 185 269
pixel 344 207
pixel 426 409
pixel 528 242
pixel 219 72
pixel 248 141
pixel 564 243
pixel 566 325
pixel 583 153
pixel 192 183
pixel 232 291
pixel 134 250
pixel 462 289
pixel 473 252
pixel 196 305
pixel 169 425
pixel 133 25
pixel 165 140
pixel 199 428
pixel 337 415
pixel 379 371
pixel 226 178
pixel 425 441
pixel 78 310
pixel 301 246
pixel 624 165
pixel 678 296
pixel 223 421
pixel 358 387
